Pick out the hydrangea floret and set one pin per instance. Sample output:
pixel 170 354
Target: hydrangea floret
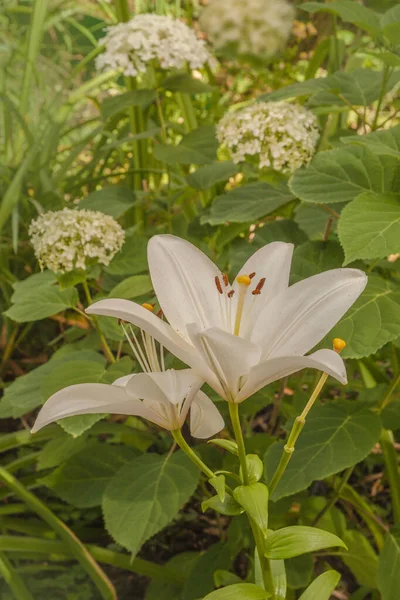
pixel 259 27
pixel 69 239
pixel 278 135
pixel 165 42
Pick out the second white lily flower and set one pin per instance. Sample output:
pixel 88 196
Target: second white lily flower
pixel 241 337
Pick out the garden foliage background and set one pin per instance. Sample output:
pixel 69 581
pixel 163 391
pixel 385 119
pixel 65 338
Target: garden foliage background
pixel 145 152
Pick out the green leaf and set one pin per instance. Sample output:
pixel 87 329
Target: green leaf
pixel 183 82
pixel 299 570
pixel 322 587
pixel 389 566
pixel 335 436
pixel 313 219
pixel 41 303
pixel 120 368
pixel 279 578
pixel 294 541
pixel 314 257
pixel 372 321
pixel 116 104
pixel 254 499
pixel 82 480
pixel 60 449
pixel 228 445
pixel 390 23
pixel 346 173
pixel 162 590
pixel 145 495
pixel 244 591
pixel 197 147
pixel 32 283
pixel 369 227
pixel 255 468
pixel 112 200
pixel 131 259
pixel 218 483
pixel 229 507
pixel 200 580
pixel 384 143
pixel 282 230
pixel 72 278
pixel 247 203
pixel 361 558
pixel 132 287
pixel 205 177
pixel 350 12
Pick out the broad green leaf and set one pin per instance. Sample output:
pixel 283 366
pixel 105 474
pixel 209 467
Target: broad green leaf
pixel 298 539
pixel 361 558
pixel 218 483
pixel 229 507
pixel 116 104
pixel 183 82
pixel 132 287
pixel 389 566
pixel 282 230
pixel 314 257
pixel 161 590
pixel 372 321
pixel 322 587
pixel 31 284
pixel 391 415
pixel 197 147
pixel 254 499
pixel 342 174
pixel 60 449
pixel 208 175
pixel 41 303
pixel 350 12
pixel 244 591
pixel 385 142
pixel 299 570
pixel 112 200
pixel 313 218
pixel 247 203
pixel 200 580
pixel 369 227
pixel 335 436
pixel 120 368
pixel 82 479
pixel 145 495
pixel 390 23
pixel 131 259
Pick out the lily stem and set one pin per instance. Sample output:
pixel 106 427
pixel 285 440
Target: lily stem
pixel 182 443
pixel 237 429
pixel 294 434
pixel 107 351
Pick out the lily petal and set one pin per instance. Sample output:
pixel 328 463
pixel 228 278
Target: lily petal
pixel 302 315
pixel 276 368
pixel 184 281
pixel 205 419
pixel 89 398
pixel 229 356
pixel 173 385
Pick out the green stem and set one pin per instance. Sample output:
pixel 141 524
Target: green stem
pixel 188 112
pixel 264 562
pixel 182 443
pixel 237 429
pixel 392 470
pixel 385 78
pixel 75 546
pixel 294 434
pixel 106 347
pixel 13 579
pixel 387 399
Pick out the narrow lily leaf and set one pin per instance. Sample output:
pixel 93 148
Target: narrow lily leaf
pixel 226 445
pixel 293 541
pixel 244 591
pixel 228 507
pixel 218 484
pixel 322 587
pixel 389 566
pixel 255 467
pixel 254 499
pixel 279 578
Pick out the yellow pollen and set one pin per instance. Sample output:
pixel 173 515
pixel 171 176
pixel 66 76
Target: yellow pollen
pixel 339 344
pixel 244 279
pixel 148 306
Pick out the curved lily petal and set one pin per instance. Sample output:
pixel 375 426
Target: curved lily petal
pixel 295 321
pixel 276 368
pixel 89 398
pixel 205 419
pixel 169 386
pixel 184 281
pixel 146 320
pixel 123 381
pixel 229 356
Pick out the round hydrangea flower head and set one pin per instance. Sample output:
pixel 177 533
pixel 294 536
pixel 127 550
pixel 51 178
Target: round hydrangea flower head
pixel 168 42
pixel 259 27
pixel 70 239
pixel 278 135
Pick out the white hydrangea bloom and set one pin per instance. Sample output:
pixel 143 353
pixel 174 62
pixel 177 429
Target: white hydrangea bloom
pixel 259 27
pixel 146 38
pixel 279 135
pixel 70 239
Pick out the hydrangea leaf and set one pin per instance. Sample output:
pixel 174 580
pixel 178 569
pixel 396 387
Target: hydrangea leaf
pixel 41 303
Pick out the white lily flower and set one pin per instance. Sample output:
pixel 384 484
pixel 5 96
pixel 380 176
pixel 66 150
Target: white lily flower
pixel 162 397
pixel 243 336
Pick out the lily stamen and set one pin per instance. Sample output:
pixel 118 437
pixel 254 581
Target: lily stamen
pixel 218 284
pixel 259 287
